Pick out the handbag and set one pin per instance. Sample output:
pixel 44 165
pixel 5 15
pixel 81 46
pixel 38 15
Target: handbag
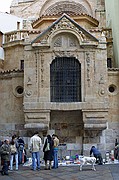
pixel 47 146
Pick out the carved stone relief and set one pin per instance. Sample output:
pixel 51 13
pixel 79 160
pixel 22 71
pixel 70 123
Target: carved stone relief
pixel 58 42
pixel 42 69
pixel 29 82
pixel 101 81
pixel 36 65
pixel 65 24
pixel 88 68
pixel 66 7
pixel 28 93
pixel 63 53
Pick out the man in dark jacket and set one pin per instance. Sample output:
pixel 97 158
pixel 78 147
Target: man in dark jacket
pixel 20 149
pixel 5 156
pixel 97 155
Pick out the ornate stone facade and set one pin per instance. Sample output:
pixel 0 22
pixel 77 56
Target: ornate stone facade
pixel 78 101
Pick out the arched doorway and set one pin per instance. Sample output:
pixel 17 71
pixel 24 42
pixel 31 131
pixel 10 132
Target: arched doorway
pixel 65 80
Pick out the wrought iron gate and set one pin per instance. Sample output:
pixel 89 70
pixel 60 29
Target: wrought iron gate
pixel 65 80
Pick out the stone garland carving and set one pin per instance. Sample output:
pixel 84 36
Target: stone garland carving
pixel 42 69
pixel 94 65
pixel 88 68
pixel 36 63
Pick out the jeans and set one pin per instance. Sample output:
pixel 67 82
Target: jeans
pixel 20 156
pixel 16 161
pixel 55 163
pixel 35 160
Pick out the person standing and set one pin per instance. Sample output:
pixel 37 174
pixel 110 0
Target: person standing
pixel 55 151
pixel 117 152
pixel 96 154
pixel 20 150
pixel 35 145
pixel 14 152
pixel 48 151
pixel 5 157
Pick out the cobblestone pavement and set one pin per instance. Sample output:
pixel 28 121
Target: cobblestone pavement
pixel 103 172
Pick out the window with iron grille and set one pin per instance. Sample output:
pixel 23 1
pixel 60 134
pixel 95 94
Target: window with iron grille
pixel 22 64
pixel 65 80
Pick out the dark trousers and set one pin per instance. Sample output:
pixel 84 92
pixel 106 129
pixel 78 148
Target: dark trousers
pixel 99 159
pixel 5 168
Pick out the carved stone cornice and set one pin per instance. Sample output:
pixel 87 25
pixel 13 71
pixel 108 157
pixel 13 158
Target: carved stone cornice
pixel 63 54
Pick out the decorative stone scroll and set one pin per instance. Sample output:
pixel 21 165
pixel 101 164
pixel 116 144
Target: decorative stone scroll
pixel 28 93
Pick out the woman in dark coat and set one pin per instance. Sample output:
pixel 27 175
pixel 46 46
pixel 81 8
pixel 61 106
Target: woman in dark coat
pixel 48 153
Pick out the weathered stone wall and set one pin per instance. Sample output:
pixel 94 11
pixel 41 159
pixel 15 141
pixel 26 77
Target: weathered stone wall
pixel 13 57
pixel 113 115
pixel 11 106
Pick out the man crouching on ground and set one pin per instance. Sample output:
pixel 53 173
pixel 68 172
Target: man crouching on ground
pixel 97 155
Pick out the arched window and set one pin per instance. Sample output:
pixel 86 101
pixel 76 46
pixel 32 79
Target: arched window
pixel 65 80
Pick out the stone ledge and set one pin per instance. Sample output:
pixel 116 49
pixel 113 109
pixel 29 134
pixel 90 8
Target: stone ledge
pixel 95 126
pixel 41 126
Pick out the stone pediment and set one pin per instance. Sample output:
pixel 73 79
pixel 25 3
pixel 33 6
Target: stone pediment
pixel 67 25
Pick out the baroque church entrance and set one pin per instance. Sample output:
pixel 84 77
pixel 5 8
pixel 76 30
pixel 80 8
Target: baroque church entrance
pixel 65 87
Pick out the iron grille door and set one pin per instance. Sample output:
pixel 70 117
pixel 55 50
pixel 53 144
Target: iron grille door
pixel 65 80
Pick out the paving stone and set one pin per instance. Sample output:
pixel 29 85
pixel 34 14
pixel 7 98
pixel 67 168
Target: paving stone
pixel 104 172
